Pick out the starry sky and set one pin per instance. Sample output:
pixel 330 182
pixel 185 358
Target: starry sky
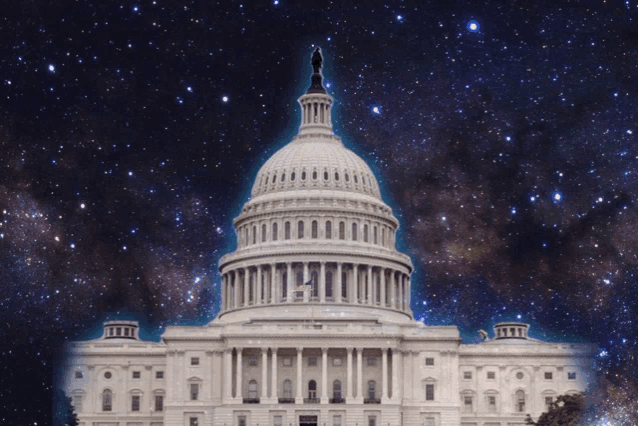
pixel 504 136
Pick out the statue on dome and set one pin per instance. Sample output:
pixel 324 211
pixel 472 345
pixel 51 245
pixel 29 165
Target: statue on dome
pixel 316 61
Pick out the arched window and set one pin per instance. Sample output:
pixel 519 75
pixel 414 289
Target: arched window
pixel 314 175
pixel 263 233
pixel 336 389
pixel 246 235
pixel 314 276
pixel 354 232
pixel 252 389
pixel 329 284
pixel 342 230
pixel 372 389
pixel 254 235
pixel 383 237
pixel 287 230
pixel 300 229
pixel 520 401
pixel 274 178
pixel 337 176
pixel 283 177
pixel 344 285
pixel 251 293
pixel 274 232
pixel 303 175
pixel 347 178
pixel 325 175
pixel 356 180
pixel 374 235
pixel 292 176
pixel 312 389
pixel 107 400
pixel 328 230
pixel 315 229
pixel 287 389
pixel 365 233
pixel 284 285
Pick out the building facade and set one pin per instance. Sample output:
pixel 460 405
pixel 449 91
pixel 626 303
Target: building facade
pixel 315 325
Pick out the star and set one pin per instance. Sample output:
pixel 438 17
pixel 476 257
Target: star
pixel 473 26
pixel 224 99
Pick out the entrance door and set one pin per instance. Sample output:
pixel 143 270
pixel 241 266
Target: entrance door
pixel 308 420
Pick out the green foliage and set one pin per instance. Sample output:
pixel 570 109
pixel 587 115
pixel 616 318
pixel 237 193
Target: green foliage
pixel 567 410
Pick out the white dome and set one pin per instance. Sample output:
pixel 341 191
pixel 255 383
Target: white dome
pixel 315 161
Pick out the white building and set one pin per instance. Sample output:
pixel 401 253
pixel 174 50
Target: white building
pixel 315 326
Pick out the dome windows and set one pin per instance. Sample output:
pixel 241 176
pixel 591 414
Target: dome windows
pixel 354 232
pixel 303 175
pixel 315 230
pixel 314 175
pixel 274 178
pixel 300 229
pixel 287 230
pixel 337 176
pixel 274 231
pixel 325 175
pixel 356 180
pixel 328 230
pixel 347 177
pixel 283 176
pixel 292 177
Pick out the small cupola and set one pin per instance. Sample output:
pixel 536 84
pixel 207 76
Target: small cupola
pixel 511 330
pixel 121 330
pixel 316 104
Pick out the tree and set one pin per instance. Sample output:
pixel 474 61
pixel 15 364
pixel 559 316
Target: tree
pixel 567 410
pixel 65 414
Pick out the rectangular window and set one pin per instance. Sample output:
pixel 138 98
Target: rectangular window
pixel 312 361
pixel 79 375
pixel 491 375
pixel 372 421
pixel 548 375
pixel 241 421
pixel 430 421
pixel 429 361
pixel 287 361
pixel 467 375
pixel 136 374
pixel 278 421
pixel 467 402
pixel 193 421
pixel 571 375
pixel 118 331
pixel 194 391
pixel 159 374
pixel 159 402
pixel 336 420
pixel 337 362
pixel 135 403
pixel 429 392
pixel 491 403
pixel 126 331
pixel 194 361
pixel 372 361
pixel 548 401
pixel 77 403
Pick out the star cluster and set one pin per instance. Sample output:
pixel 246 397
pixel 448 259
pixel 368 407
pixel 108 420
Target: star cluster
pixel 503 135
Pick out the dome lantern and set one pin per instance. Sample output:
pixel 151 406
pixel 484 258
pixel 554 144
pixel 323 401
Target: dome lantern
pixel 316 104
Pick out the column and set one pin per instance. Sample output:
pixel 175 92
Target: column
pixel 236 288
pixel 322 283
pixel 349 394
pixel 207 386
pixel 246 289
pixel 393 303
pixel 238 392
pixel 224 305
pixel 170 375
pixel 396 354
pixel 383 289
pixel 400 301
pixel 339 282
pixel 360 375
pixel 306 294
pixel 409 293
pixel 324 375
pixel 289 283
pixel 370 286
pixel 123 402
pixel 228 379
pixel 355 283
pixel 384 375
pixel 258 295
pixel 298 393
pixel 264 374
pixel 272 283
pixel 273 385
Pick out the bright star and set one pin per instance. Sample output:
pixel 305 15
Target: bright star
pixel 225 99
pixel 376 110
pixel 82 206
pixel 513 211
pixel 508 138
pixel 557 196
pixel 51 68
pixel 473 26
pixel 72 245
pixel 532 198
pixel 190 89
pixel 399 18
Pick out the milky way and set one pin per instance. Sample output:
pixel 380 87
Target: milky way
pixel 503 136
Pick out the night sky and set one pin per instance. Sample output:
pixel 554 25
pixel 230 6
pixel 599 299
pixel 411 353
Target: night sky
pixel 503 134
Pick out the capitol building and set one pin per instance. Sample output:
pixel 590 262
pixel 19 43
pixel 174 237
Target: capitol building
pixel 315 327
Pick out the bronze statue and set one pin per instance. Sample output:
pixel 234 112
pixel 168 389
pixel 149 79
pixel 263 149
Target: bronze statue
pixel 316 61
